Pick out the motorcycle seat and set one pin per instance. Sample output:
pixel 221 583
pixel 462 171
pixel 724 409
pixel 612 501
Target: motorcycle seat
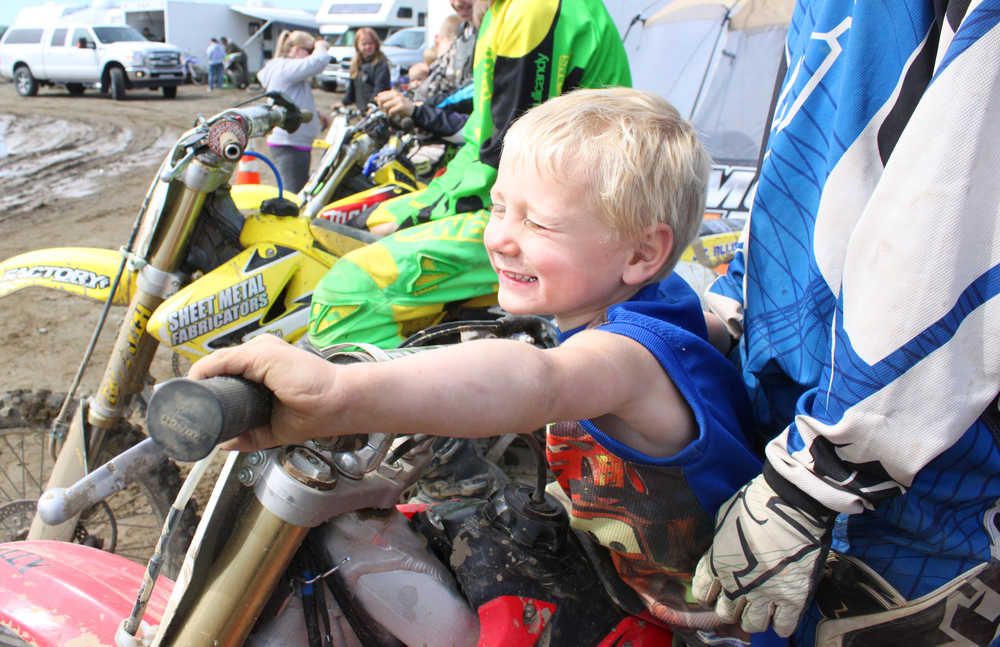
pixel 337 238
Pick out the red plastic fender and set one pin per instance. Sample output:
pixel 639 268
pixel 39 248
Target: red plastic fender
pixel 508 621
pixel 410 509
pixel 638 632
pixel 55 593
pixel 342 210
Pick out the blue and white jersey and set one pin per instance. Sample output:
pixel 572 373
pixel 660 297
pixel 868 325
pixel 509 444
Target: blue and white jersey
pixel 868 279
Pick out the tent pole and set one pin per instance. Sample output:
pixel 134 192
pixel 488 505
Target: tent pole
pixel 257 33
pixel 711 60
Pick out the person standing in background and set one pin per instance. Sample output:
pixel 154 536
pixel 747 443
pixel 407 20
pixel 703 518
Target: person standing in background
pixel 452 69
pixel 215 53
pixel 369 70
pixel 236 63
pixel 299 57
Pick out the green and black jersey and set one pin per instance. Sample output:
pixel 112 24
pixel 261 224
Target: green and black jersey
pixel 527 51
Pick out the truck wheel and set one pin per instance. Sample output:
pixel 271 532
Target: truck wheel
pixel 169 91
pixel 25 83
pixel 75 89
pixel 117 75
pixel 127 523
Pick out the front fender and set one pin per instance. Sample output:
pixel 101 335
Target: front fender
pixel 55 593
pixel 86 271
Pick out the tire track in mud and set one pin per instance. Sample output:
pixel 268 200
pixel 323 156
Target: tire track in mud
pixel 76 172
pixel 62 158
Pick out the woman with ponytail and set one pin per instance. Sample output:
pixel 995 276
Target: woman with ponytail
pixel 299 57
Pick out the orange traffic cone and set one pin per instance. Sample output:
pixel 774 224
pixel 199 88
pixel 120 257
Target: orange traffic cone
pixel 249 168
pixel 247 171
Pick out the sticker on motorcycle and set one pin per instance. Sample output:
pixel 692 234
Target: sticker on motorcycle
pixel 68 275
pixel 220 309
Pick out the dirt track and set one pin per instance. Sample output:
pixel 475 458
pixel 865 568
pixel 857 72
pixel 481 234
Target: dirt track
pixel 76 172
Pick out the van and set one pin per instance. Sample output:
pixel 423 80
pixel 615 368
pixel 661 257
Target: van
pixel 114 58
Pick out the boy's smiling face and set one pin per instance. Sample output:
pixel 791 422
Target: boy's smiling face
pixel 550 248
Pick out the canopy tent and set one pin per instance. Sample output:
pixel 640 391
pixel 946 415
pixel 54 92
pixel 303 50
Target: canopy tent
pixel 715 60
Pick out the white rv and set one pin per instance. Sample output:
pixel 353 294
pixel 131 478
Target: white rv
pixel 337 16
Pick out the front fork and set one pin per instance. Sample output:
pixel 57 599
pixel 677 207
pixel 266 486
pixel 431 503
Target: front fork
pixel 132 354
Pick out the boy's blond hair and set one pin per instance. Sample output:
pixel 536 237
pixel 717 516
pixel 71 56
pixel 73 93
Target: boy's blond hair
pixel 643 163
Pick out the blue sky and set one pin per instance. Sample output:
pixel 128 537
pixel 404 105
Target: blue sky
pixel 10 8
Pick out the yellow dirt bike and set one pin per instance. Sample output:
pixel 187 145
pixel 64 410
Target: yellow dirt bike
pixel 197 273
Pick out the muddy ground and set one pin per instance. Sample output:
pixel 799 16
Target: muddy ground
pixel 75 173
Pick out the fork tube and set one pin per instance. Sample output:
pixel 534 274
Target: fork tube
pixel 356 153
pixel 134 348
pixel 240 581
pixel 128 364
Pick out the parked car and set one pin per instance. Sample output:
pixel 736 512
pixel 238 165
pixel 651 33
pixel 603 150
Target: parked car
pixel 403 48
pixel 114 58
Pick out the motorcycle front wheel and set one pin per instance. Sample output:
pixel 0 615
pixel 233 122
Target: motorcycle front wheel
pixel 196 74
pixel 127 523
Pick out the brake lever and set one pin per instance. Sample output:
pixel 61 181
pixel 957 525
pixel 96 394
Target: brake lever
pixel 356 464
pixel 57 505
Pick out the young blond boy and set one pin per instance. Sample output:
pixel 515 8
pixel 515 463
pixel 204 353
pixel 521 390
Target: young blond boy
pixel 598 193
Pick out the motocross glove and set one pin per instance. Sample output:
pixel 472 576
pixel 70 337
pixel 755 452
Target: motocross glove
pixel 770 547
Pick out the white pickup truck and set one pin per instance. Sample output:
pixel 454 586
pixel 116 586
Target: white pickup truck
pixel 114 58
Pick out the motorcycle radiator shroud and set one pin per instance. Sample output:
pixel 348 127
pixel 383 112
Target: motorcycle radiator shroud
pixel 266 288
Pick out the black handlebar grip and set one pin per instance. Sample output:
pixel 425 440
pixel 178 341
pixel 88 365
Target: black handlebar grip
pixel 188 418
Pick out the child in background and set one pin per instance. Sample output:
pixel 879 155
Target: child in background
pixel 417 75
pixel 598 194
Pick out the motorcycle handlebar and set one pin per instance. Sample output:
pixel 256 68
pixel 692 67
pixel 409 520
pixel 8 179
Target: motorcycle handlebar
pixel 259 120
pixel 188 418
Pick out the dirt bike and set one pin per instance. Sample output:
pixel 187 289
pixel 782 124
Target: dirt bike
pixel 306 544
pixel 195 72
pixel 368 159
pixel 234 70
pixel 196 274
pixel 205 267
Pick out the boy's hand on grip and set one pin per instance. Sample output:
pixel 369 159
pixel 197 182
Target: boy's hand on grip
pixel 766 557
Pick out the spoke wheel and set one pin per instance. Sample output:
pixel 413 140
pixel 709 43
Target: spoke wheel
pixel 127 523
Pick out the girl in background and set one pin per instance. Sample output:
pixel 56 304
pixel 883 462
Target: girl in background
pixel 369 70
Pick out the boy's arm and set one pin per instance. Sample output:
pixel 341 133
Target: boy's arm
pixel 475 389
